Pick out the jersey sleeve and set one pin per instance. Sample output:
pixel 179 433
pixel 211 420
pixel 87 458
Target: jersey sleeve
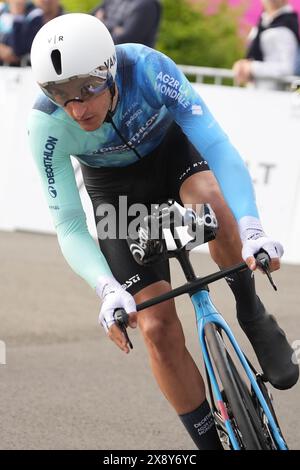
pixel 49 148
pixel 165 84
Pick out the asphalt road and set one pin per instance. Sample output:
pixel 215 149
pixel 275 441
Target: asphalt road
pixel 66 386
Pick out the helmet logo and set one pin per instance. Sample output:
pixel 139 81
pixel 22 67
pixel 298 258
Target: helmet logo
pixel 55 39
pixel 109 63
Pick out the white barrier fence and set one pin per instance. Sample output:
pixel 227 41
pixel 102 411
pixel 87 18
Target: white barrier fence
pixel 2 353
pixel 264 126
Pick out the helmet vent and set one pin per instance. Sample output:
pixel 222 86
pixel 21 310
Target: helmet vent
pixel 56 61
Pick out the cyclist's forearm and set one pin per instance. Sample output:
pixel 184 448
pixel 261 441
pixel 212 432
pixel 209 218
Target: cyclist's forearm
pixel 81 251
pixel 233 178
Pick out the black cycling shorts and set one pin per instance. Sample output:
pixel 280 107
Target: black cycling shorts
pixel 155 178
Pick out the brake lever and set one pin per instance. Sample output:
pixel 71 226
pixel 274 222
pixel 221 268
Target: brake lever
pixel 122 321
pixel 263 261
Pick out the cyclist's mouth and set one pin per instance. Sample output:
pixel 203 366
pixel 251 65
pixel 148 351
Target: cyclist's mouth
pixel 85 120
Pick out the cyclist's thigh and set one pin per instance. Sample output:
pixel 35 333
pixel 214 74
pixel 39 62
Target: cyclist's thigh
pixel 130 274
pixel 182 160
pixel 126 270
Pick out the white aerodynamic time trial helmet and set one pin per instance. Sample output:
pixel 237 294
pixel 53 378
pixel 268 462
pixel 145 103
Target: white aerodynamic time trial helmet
pixel 73 57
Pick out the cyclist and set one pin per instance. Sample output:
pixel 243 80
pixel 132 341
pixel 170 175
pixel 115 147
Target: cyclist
pixel 140 130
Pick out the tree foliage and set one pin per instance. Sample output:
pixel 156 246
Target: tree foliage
pixel 82 6
pixel 190 36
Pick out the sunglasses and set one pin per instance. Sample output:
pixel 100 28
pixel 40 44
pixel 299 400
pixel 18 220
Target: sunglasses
pixel 78 88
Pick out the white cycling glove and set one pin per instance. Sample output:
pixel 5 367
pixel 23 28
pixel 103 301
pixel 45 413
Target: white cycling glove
pixel 254 239
pixel 113 296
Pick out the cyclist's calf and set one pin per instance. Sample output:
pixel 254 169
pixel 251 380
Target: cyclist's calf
pixel 173 367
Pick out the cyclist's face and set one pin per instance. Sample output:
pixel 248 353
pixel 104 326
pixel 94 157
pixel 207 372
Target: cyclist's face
pixel 91 113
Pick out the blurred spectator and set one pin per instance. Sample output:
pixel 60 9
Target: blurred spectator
pixel 273 46
pixel 297 68
pixel 25 27
pixel 9 11
pixel 131 20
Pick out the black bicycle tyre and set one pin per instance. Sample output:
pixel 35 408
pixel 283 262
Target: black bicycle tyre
pixel 251 432
pixel 252 408
pixel 260 410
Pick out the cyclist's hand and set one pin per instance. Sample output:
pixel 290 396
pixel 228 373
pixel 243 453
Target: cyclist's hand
pixel 114 296
pixel 272 247
pixel 254 239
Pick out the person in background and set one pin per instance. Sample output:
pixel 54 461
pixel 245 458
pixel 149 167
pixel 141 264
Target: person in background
pixel 25 28
pixel 273 47
pixel 131 20
pixel 9 11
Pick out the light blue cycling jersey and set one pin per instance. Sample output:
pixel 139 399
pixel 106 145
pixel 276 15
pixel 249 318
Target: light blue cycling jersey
pixel 153 92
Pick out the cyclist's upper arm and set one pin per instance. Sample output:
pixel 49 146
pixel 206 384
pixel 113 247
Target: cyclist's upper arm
pixel 168 86
pixel 49 145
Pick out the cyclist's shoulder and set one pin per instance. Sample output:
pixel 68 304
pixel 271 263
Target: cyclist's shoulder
pixel 133 54
pixel 45 113
pixel 132 51
pixel 48 119
pixel 45 105
pixel 140 64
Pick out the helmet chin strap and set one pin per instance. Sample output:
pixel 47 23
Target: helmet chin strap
pixel 110 111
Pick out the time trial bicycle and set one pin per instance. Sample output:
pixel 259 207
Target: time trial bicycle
pixel 241 402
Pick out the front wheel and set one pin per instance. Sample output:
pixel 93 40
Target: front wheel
pixel 244 419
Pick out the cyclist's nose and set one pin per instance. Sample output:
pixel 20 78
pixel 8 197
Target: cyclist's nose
pixel 77 109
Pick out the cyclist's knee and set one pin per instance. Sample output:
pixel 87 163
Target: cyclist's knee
pixel 161 333
pixel 202 187
pixel 159 324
